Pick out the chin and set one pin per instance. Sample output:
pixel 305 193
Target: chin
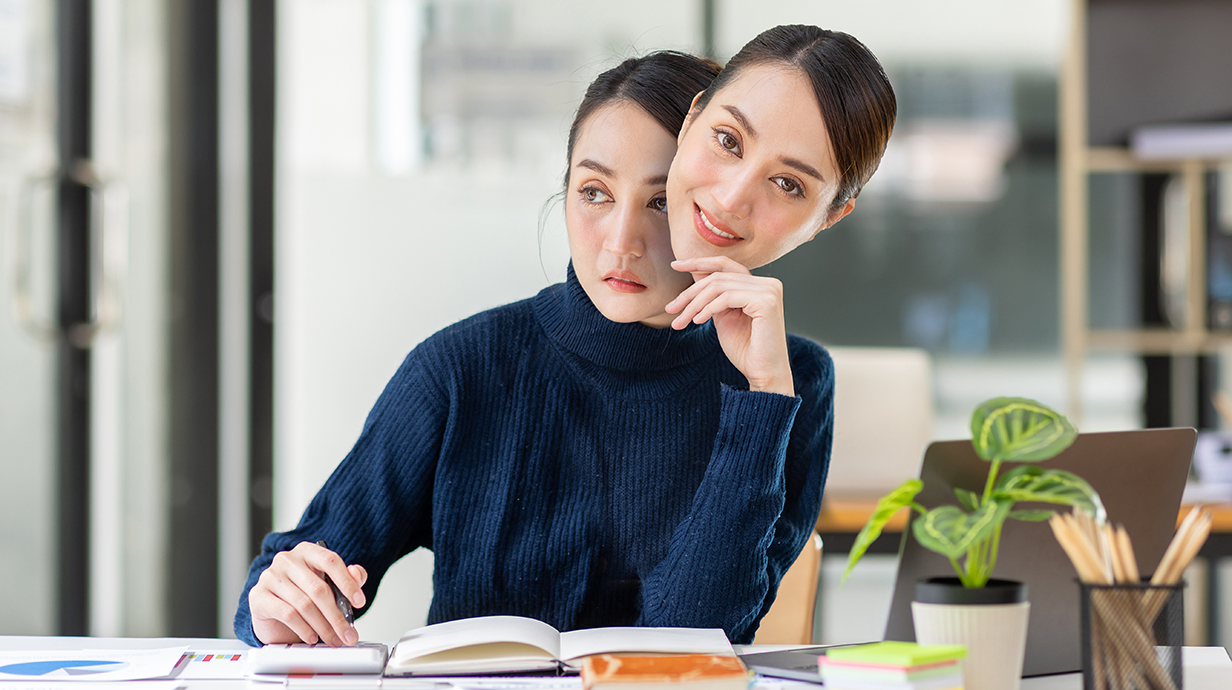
pixel 624 314
pixel 628 311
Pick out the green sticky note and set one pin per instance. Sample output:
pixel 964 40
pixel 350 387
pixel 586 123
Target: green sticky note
pixel 906 654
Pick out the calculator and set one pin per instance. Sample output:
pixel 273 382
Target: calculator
pixel 363 658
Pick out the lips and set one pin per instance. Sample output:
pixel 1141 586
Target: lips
pixel 712 230
pixel 623 281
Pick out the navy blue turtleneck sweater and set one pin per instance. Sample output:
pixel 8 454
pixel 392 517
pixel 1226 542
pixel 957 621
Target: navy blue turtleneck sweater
pixel 579 471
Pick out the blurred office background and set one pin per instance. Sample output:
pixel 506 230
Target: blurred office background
pixel 290 195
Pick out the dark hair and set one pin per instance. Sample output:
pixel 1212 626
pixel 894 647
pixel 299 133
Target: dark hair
pixel 856 99
pixel 662 83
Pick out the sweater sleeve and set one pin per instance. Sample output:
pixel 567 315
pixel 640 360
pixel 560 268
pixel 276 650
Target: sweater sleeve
pixel 376 506
pixel 755 508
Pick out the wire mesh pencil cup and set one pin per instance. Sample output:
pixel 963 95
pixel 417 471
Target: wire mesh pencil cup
pixel 1132 636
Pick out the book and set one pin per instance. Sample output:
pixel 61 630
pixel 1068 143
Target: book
pixel 513 644
pixel 894 674
pixel 633 672
pixel 954 682
pixel 893 666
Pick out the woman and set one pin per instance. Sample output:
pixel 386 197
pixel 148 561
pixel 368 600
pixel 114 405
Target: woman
pixel 762 168
pixel 568 457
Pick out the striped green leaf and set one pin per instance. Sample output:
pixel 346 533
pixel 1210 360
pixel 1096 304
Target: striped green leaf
pixel 1019 430
pixel 1034 483
pixel 1031 515
pixel 950 531
pixel 890 504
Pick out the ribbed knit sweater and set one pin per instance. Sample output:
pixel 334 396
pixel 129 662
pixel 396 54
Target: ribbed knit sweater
pixel 579 471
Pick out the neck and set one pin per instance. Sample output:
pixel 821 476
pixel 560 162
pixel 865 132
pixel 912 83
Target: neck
pixel 571 319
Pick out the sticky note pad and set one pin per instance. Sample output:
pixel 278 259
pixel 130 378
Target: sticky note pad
pixel 903 654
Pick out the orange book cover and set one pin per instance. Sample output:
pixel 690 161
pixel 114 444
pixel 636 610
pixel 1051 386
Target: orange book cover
pixel 611 671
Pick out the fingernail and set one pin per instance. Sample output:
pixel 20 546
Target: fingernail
pixel 358 600
pixel 351 636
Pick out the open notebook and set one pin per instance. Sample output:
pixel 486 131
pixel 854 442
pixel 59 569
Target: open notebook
pixel 512 644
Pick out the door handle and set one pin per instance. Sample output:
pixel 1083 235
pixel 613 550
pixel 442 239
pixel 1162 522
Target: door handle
pixel 108 230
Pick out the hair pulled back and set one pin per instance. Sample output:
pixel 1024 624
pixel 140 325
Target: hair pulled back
pixel 856 100
pixel 662 83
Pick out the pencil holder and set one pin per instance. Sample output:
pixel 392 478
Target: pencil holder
pixel 1132 636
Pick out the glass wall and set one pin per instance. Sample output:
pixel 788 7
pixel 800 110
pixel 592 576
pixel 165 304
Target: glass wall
pixel 127 380
pixel 27 360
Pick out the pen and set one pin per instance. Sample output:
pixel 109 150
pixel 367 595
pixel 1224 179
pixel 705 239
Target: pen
pixel 343 605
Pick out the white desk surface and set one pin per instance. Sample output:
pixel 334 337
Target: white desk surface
pixel 1206 668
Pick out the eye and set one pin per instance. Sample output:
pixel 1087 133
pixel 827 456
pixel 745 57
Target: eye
pixel 789 186
pixel 659 203
pixel 727 141
pixel 594 195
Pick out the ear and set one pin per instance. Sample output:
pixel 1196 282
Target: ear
pixel 835 216
pixel 688 119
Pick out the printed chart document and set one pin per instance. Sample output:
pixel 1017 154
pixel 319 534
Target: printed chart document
pixel 510 644
pixel 88 665
pixel 113 685
pixel 209 665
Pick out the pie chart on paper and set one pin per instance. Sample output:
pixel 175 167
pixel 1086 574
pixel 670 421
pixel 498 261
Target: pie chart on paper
pixel 63 667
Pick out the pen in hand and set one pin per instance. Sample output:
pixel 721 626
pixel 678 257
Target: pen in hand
pixel 343 604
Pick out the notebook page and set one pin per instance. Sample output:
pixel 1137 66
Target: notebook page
pixel 581 643
pixel 470 632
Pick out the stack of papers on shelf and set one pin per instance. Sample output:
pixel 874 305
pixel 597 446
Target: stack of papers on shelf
pixel 894 666
pixel 1199 140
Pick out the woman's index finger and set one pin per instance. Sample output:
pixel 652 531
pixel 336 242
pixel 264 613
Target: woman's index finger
pixel 709 264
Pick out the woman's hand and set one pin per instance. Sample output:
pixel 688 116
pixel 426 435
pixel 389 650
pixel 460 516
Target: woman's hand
pixel 748 317
pixel 291 602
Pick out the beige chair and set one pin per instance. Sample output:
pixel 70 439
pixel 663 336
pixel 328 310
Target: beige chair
pixel 790 618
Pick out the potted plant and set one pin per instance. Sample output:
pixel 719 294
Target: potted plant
pixel 987 615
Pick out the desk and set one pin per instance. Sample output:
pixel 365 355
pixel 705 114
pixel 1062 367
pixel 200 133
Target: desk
pixel 1206 668
pixel 842 516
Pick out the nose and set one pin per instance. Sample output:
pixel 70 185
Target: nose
pixel 736 191
pixel 626 236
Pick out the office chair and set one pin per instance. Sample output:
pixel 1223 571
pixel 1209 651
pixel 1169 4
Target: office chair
pixel 790 618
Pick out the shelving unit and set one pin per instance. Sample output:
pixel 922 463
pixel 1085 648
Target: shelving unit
pixel 1078 161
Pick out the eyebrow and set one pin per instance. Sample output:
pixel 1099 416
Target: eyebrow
pixel 596 166
pixel 604 170
pixel 802 167
pixel 744 121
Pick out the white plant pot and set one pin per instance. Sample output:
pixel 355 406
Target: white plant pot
pixel 995 636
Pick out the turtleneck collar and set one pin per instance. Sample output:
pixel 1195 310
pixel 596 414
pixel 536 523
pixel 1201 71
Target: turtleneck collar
pixel 571 320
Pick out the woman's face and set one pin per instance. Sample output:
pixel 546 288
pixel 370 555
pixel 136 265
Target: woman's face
pixel 755 173
pixel 616 215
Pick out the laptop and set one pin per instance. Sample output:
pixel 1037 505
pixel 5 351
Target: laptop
pixel 1139 476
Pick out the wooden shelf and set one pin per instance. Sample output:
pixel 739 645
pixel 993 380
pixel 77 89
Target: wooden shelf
pixel 1079 160
pixel 1159 341
pixel 1114 159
